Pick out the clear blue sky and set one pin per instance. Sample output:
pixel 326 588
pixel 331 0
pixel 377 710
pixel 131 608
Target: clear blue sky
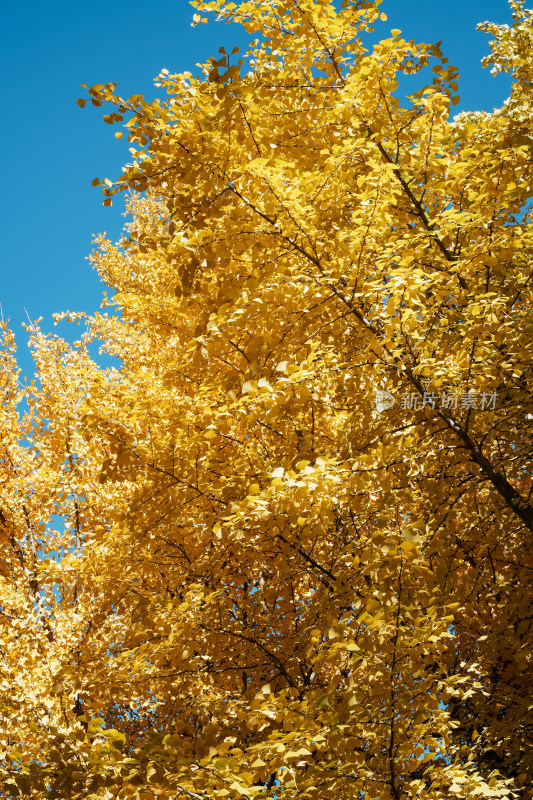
pixel 53 148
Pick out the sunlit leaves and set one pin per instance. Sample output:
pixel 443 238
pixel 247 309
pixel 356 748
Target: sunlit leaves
pixel 262 584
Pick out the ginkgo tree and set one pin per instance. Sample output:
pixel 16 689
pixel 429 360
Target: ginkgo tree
pixel 285 550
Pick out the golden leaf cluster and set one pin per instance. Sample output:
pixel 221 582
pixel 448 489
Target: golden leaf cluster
pixel 285 549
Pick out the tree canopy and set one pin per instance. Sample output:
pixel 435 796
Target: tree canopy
pixel 285 550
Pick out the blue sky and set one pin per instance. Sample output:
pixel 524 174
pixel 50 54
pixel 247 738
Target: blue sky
pixel 53 149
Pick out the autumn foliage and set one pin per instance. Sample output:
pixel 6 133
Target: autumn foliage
pixel 285 550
